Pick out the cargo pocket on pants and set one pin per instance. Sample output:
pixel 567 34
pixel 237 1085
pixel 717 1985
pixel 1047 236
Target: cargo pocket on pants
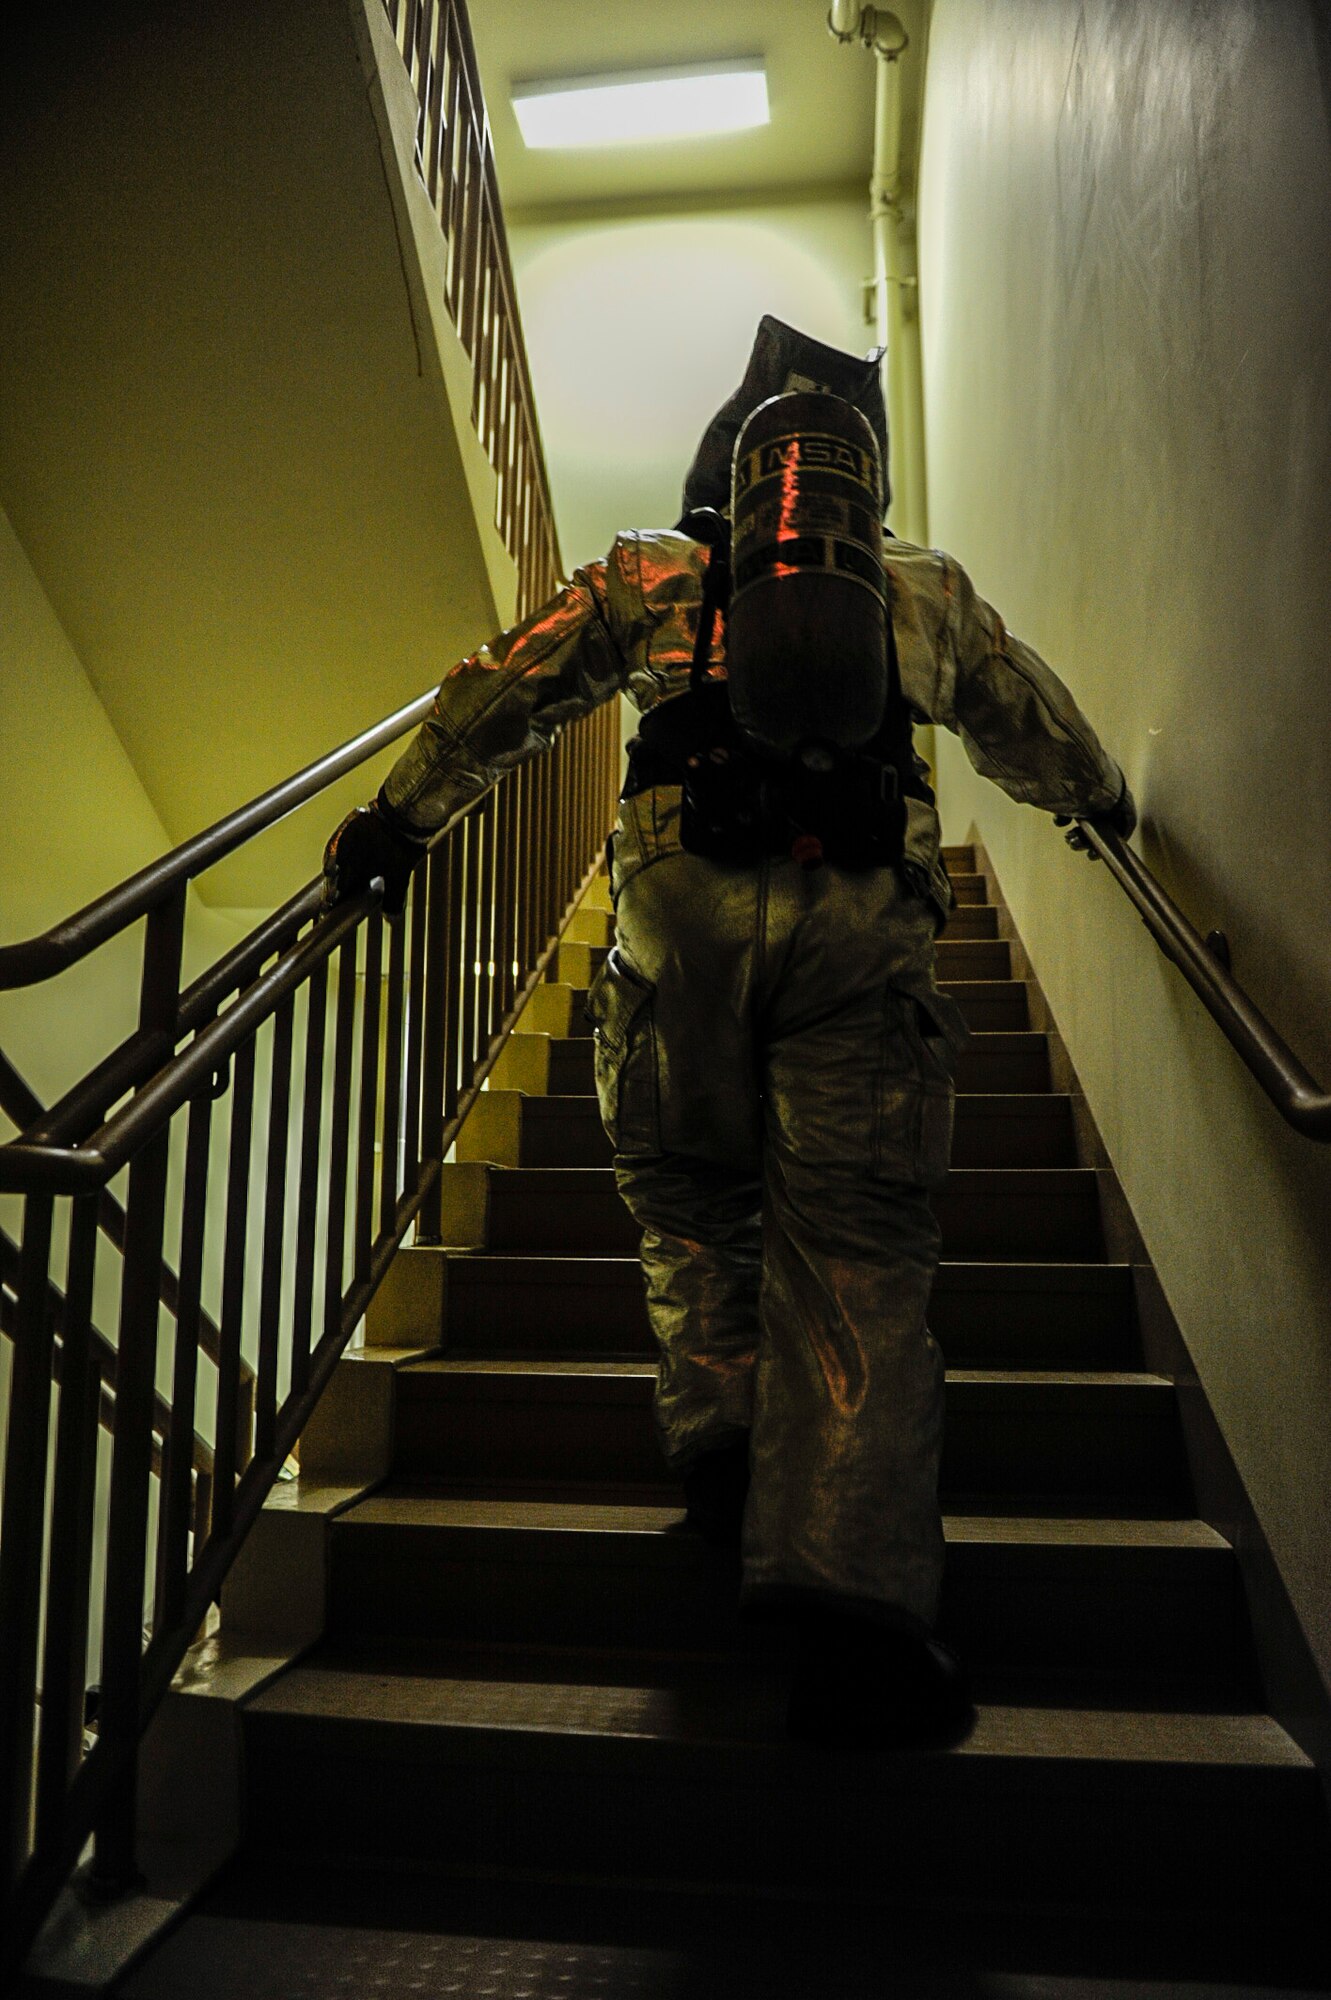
pixel 913 1110
pixel 620 1007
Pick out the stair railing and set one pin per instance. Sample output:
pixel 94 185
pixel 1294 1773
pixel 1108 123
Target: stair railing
pixel 23 1108
pixel 1296 1094
pixel 455 161
pixel 104 1360
pixel 284 1118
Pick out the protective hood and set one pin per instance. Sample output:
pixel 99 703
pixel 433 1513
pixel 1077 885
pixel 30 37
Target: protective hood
pixel 783 360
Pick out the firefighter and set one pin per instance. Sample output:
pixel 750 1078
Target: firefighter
pixel 773 1056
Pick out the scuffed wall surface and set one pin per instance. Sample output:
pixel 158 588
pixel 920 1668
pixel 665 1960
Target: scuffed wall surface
pixel 1125 263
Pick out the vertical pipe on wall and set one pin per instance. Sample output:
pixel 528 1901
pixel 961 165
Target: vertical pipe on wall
pixel 895 278
pixel 896 304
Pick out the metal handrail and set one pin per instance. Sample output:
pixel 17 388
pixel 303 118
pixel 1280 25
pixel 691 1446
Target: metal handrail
pixel 1296 1094
pixel 26 1166
pixel 55 950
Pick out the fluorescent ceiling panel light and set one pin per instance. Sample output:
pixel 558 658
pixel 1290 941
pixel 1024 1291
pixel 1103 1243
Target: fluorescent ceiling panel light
pixel 642 105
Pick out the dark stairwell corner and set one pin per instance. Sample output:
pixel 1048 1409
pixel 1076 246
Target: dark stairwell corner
pixel 531 1754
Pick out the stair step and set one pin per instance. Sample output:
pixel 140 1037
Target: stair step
pixel 513 1129
pixel 1007 1062
pixel 1014 1129
pixel 970 920
pixel 967 886
pixel 1022 1315
pixel 984 1212
pixel 592 932
pixel 556 1009
pixel 686 1778
pixel 1028 1434
pixel 973 958
pixel 959 860
pixel 990 1004
pixel 576 964
pixel 273 1926
pixel 572 1069
pixel 590 924
pixel 1104 1604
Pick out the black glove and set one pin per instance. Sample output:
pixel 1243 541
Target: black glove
pixel 367 846
pixel 1121 819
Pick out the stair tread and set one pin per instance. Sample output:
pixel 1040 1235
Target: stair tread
pixel 961 1271
pixel 712 1707
pixel 408 1506
pixel 1037 1103
pixel 627 1369
pixel 1032 1180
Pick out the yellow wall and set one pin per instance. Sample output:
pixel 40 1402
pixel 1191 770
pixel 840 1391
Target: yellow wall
pixel 1125 263
pixel 226 440
pixel 74 821
pixel 639 325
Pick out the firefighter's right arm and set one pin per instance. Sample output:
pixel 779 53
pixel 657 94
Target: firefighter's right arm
pixel 499 706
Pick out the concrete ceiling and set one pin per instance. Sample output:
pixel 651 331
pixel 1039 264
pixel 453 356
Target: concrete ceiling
pixel 821 95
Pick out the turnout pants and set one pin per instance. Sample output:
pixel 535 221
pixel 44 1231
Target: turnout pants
pixel 774 1071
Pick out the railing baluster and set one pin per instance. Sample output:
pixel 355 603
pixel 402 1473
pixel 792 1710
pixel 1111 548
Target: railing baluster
pixel 540 857
pixel 274 1231
pixel 227 1452
pixel 175 1508
pixel 131 1464
pixel 363 1231
pixel 392 1114
pixel 502 947
pixel 527 838
pixel 307 1205
pixel 470 949
pixel 65 1651
pixel 340 1138
pixel 21 1555
pixel 415 1028
pixel 435 1010
pixel 486 929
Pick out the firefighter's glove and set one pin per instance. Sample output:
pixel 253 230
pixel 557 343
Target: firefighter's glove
pixel 1121 819
pixel 365 848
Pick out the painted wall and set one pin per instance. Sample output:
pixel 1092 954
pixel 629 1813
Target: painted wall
pixel 639 325
pixel 1125 261
pixel 74 821
pixel 226 440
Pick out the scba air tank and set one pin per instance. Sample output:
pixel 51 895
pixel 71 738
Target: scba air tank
pixel 806 633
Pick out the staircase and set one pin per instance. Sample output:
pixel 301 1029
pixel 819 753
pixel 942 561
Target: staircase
pixel 536 1754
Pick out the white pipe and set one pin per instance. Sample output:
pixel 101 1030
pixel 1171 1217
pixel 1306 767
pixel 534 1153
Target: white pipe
pixel 895 284
pixel 896 298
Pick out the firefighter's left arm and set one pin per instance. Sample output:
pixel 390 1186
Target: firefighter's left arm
pixel 1019 724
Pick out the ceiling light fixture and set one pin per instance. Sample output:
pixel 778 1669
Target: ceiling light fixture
pixel 634 106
